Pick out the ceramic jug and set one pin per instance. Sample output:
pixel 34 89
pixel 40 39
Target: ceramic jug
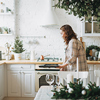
pixel 32 55
pixel 99 56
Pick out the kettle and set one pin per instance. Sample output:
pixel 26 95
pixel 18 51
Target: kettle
pixel 42 57
pixel 32 56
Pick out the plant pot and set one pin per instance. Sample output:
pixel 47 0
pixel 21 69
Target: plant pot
pixel 5 32
pixel 17 56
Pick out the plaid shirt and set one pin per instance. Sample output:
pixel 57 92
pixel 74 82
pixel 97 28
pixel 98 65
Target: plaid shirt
pixel 75 49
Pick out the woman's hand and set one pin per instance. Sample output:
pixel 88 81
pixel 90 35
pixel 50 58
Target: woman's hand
pixel 61 66
pixel 61 69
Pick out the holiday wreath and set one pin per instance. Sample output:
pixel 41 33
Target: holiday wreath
pixel 90 48
pixel 81 8
pixel 77 91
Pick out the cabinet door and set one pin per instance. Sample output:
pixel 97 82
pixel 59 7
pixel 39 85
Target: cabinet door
pixel 14 84
pixel 1 82
pixel 90 29
pixel 91 72
pixel 96 67
pixel 28 83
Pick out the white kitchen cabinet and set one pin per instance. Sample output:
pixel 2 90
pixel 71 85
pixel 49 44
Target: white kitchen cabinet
pixel 92 68
pixel 90 29
pixel 28 83
pixel 91 72
pixel 1 82
pixel 14 84
pixel 21 83
pixel 96 67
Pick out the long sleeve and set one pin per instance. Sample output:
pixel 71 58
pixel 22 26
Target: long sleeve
pixel 73 52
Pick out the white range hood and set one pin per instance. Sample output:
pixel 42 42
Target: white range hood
pixel 50 18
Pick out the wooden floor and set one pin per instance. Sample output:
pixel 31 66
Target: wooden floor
pixel 6 98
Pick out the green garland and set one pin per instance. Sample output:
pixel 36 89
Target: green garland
pixel 90 48
pixel 81 8
pixel 77 91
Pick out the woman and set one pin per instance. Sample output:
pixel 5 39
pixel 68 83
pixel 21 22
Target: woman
pixel 74 49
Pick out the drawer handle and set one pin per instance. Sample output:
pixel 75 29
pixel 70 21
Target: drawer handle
pixel 45 73
pixel 41 73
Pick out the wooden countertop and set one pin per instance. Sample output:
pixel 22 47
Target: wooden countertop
pixel 27 62
pixel 93 62
pixel 1 63
pixel 36 62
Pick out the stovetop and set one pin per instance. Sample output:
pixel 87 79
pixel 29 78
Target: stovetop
pixel 48 60
pixel 47 67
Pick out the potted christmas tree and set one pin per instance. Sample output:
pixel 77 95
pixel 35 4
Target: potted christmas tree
pixel 18 48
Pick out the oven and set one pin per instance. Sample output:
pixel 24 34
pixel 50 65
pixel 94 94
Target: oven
pixel 40 74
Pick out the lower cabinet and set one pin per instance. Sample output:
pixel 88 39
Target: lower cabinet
pixel 28 84
pixel 1 82
pixel 21 83
pixel 14 83
pixel 91 72
pixel 92 68
pixel 96 67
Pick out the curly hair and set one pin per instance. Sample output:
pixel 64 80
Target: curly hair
pixel 69 33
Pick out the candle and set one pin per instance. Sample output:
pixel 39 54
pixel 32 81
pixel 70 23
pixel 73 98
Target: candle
pixel 77 69
pixel 69 79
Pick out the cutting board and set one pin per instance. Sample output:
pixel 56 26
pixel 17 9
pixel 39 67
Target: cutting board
pixel 82 42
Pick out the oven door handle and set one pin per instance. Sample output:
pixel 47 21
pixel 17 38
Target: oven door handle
pixel 45 73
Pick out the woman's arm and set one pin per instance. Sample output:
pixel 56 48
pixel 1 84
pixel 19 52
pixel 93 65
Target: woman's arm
pixel 62 66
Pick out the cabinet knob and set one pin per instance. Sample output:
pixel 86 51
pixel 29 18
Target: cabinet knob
pixel 21 67
pixel 20 72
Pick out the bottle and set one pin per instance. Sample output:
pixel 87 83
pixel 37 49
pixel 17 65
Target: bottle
pixel 3 55
pixel 32 55
pixel 27 55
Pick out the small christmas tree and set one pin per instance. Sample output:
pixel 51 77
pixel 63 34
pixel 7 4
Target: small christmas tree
pixel 18 46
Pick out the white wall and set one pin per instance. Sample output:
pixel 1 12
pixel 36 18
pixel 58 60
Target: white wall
pixel 29 14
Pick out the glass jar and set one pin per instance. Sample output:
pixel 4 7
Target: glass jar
pixel 27 55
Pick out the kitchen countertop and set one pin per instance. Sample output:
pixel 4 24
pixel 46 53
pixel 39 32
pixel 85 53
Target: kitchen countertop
pixel 27 62
pixel 1 63
pixel 36 62
pixel 93 62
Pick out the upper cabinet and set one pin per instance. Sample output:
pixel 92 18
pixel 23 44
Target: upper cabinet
pixel 90 29
pixel 7 17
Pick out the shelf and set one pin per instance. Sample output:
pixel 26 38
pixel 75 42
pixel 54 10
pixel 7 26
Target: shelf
pixel 28 36
pixel 6 34
pixel 5 13
pixel 92 34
